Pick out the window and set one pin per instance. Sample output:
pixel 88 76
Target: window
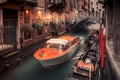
pixel 39 29
pixel 103 6
pixel 27 34
pixel 57 46
pixel 91 3
pixel 39 32
pixel 97 3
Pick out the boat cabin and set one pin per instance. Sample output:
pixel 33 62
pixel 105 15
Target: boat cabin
pixel 62 43
pixel 71 40
pixel 57 43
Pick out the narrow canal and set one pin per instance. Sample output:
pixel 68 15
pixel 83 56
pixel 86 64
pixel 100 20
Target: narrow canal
pixel 31 69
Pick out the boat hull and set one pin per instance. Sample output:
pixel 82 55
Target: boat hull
pixel 56 61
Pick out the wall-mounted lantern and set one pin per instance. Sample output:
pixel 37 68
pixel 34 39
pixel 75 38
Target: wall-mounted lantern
pixel 39 12
pixel 26 11
pixel 27 16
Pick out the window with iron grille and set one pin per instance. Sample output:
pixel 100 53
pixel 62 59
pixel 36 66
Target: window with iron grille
pixel 39 32
pixel 27 34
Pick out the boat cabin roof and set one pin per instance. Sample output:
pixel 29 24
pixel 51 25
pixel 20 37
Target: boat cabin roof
pixel 69 38
pixel 58 41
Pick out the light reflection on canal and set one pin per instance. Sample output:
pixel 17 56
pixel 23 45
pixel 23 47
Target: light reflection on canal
pixel 32 70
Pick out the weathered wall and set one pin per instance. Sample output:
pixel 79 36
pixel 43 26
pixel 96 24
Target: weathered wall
pixel 109 19
pixel 116 25
pixel 113 48
pixel 113 23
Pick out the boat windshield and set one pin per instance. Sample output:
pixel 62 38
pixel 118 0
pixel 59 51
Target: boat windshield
pixel 57 46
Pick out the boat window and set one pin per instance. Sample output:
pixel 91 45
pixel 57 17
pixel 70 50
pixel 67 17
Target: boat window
pixel 69 44
pixel 49 45
pixel 57 46
pixel 60 46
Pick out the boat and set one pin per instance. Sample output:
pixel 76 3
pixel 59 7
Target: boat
pixel 86 68
pixel 92 38
pixel 57 51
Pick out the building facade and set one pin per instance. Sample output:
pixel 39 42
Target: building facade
pixel 83 8
pixel 112 24
pixel 55 15
pixel 12 17
pixel 22 23
pixel 72 10
pixel 96 9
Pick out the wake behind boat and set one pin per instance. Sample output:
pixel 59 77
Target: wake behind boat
pixel 57 51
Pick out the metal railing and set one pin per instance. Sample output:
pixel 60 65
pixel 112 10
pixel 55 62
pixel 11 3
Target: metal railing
pixel 5 39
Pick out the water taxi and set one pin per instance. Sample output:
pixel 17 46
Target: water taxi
pixel 57 50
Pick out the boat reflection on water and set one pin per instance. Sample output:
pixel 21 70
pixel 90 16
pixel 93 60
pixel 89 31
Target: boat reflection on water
pixel 57 51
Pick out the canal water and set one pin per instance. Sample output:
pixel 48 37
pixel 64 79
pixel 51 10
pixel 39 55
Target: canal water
pixel 31 69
